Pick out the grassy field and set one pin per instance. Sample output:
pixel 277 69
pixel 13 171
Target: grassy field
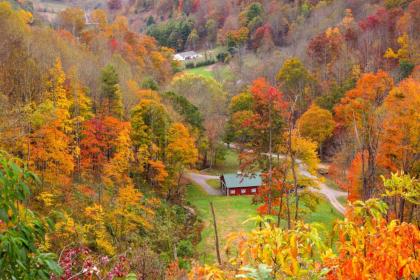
pixel 342 200
pixel 229 165
pixel 325 214
pixel 215 183
pixel 232 211
pixel 203 71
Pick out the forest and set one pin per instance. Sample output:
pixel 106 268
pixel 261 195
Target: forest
pixel 111 150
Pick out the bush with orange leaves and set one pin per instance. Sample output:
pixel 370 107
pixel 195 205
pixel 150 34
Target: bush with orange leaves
pixel 371 248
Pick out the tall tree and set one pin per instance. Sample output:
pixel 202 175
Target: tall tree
pixel 150 123
pixel 267 124
pixel 207 95
pixel 325 49
pixel 98 146
pixel 111 99
pixel 48 145
pixel 181 153
pixel 296 82
pixel 359 112
pixel 316 124
pixel 400 147
pixel 72 19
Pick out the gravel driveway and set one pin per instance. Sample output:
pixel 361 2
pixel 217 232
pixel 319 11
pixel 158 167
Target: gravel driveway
pixel 201 179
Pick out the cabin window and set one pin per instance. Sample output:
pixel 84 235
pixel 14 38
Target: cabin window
pixel 232 191
pixel 254 190
pixel 243 190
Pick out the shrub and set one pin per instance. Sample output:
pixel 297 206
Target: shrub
pixel 406 67
pixel 185 248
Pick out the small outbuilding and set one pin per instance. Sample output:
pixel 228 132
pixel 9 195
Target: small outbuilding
pixel 186 56
pixel 240 184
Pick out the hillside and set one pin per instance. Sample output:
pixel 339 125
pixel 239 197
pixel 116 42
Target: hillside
pixel 283 145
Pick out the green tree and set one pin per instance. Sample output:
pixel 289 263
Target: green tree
pixel 186 109
pixel 149 122
pixel 21 230
pixel 211 29
pixel 193 39
pixel 111 98
pixel 209 97
pixel 403 191
pixel 241 102
pixel 240 109
pixel 296 82
pixel 252 16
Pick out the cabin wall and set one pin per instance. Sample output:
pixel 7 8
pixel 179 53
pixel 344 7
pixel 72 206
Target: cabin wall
pixel 242 191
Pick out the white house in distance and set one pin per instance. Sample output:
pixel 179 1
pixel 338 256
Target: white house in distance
pixel 186 56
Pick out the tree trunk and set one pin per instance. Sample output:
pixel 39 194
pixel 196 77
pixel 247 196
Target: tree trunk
pixel 292 161
pixel 295 187
pixel 270 151
pixel 288 209
pixel 410 218
pixel 364 185
pixel 219 260
pixel 281 202
pixel 371 174
pixel 402 204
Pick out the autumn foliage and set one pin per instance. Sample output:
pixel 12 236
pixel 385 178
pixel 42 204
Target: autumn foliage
pixel 99 126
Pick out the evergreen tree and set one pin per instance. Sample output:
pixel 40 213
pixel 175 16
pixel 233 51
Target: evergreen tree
pixel 111 99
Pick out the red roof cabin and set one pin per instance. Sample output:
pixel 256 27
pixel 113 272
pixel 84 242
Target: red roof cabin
pixel 240 184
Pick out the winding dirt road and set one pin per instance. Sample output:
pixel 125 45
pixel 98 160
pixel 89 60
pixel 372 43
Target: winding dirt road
pixel 331 194
pixel 201 180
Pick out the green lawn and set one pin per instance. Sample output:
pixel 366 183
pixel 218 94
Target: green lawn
pixel 232 211
pixel 325 214
pixel 228 165
pixel 215 183
pixel 203 71
pixel 343 200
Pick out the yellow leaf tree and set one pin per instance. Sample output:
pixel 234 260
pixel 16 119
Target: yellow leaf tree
pixel 181 152
pixel 316 124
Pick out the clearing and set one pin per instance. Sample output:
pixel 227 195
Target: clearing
pixel 232 211
pixel 204 71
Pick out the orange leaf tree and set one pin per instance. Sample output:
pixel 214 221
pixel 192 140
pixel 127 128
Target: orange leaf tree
pixel 371 248
pixel 359 112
